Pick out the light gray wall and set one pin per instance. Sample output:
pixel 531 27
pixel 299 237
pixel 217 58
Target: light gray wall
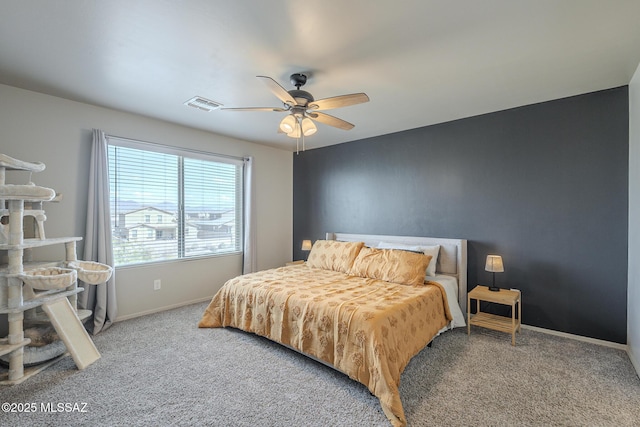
pixel 57 132
pixel 633 290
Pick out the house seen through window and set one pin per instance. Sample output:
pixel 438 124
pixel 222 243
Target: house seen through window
pixel 195 199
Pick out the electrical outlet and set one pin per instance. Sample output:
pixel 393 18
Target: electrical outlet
pixel 157 285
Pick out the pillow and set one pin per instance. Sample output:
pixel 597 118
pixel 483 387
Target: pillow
pixel 390 265
pixel 333 255
pixel 427 250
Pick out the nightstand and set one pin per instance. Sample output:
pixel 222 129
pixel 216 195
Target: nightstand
pixel 300 261
pixel 492 321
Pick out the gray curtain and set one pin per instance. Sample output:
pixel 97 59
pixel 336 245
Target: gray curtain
pixel 101 299
pixel 249 262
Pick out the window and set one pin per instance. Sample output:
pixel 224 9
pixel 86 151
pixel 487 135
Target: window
pixel 195 197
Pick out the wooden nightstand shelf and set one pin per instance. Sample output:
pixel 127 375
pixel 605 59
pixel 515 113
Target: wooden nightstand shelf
pixel 492 321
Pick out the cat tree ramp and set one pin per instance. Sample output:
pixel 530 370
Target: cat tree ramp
pixel 39 294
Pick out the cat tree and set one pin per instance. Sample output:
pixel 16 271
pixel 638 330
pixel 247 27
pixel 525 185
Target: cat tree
pixel 39 294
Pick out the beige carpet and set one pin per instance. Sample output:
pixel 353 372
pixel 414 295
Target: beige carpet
pixel 160 370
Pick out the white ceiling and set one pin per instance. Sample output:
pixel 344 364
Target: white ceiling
pixel 420 61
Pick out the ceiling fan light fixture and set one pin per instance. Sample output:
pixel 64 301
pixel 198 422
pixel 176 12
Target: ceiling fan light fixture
pixel 288 124
pixel 308 127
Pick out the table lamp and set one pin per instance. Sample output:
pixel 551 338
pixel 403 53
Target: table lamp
pixel 494 265
pixel 306 245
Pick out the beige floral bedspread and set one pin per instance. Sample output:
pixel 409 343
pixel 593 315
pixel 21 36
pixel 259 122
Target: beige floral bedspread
pixel 366 328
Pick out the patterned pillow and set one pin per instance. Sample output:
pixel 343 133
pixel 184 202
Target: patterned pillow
pixel 333 255
pixel 391 265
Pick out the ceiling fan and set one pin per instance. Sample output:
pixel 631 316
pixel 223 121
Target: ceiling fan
pixel 303 108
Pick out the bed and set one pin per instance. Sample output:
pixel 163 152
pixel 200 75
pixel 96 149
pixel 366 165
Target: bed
pixel 360 304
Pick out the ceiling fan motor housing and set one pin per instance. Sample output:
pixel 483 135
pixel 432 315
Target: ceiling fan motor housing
pixel 302 97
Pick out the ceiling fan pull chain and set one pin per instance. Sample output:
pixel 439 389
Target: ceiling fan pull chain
pixel 301 132
pixel 298 133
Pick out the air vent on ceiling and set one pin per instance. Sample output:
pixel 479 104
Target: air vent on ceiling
pixel 203 103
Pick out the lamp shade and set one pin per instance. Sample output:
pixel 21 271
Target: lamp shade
pixel 288 124
pixel 306 245
pixel 494 264
pixel 308 127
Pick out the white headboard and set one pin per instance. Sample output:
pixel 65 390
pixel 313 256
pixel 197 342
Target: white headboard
pixel 452 259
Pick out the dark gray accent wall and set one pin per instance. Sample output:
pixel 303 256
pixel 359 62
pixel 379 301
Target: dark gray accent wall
pixel 545 186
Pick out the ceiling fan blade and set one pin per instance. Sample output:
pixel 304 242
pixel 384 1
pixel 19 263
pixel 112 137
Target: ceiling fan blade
pixel 338 101
pixel 278 90
pixel 331 121
pixel 256 109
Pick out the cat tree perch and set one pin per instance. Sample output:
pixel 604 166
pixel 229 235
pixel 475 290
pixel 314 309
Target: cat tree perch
pixel 26 286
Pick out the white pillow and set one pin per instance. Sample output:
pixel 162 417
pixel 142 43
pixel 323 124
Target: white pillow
pixel 427 250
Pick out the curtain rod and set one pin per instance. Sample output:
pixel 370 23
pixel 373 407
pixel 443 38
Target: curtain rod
pixel 228 156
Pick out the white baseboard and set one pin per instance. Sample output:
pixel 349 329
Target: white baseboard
pixel 578 337
pixel 634 361
pixel 165 308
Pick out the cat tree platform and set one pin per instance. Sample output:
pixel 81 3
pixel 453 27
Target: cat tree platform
pixel 41 293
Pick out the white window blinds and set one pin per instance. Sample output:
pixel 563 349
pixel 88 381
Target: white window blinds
pixel 169 204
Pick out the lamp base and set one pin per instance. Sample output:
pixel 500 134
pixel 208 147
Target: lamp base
pixel 494 289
